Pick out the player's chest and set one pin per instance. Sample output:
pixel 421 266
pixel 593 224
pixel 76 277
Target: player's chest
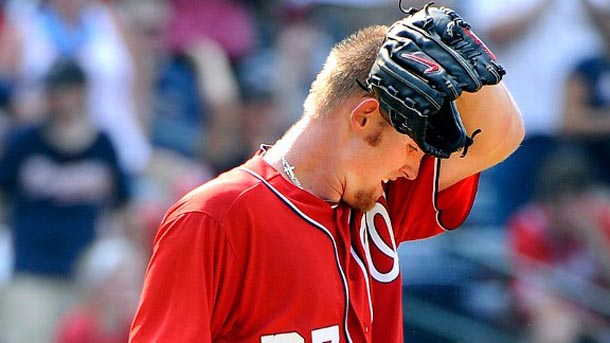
pixel 293 284
pixel 319 272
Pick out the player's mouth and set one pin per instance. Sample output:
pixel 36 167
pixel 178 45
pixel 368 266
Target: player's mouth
pixel 384 181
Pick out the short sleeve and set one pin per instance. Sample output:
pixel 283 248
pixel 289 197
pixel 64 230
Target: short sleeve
pixel 418 211
pixel 122 191
pixel 11 158
pixel 190 283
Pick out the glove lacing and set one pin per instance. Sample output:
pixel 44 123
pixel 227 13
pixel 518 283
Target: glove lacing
pixel 469 142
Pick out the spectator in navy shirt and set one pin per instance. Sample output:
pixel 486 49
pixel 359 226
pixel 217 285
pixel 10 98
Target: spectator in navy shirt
pixel 586 115
pixel 58 178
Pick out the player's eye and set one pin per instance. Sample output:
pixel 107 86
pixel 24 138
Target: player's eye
pixel 411 148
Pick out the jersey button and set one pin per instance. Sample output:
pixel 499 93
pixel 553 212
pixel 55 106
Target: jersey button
pixel 366 328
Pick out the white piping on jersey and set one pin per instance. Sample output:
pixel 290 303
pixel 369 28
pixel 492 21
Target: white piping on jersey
pixel 318 226
pixel 366 279
pixel 437 171
pixel 360 263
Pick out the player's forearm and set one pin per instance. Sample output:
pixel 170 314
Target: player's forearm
pixel 494 111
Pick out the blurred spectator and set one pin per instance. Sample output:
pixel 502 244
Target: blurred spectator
pixel 342 17
pixel 302 39
pixel 169 177
pixel 59 178
pixel 89 32
pixel 5 88
pixel 191 91
pixel 586 115
pixel 227 22
pixel 532 40
pixel 109 278
pixel 263 121
pixel 561 255
pixel 221 139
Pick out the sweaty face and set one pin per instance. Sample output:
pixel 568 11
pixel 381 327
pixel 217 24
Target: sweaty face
pixel 386 155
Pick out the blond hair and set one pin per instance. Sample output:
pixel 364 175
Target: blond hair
pixel 348 60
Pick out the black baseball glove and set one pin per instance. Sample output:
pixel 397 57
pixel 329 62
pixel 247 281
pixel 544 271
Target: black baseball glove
pixel 424 64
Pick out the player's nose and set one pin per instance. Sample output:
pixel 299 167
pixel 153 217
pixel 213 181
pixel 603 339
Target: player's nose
pixel 411 169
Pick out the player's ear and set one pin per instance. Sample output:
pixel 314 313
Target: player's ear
pixel 364 113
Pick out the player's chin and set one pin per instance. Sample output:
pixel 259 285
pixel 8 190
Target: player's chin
pixel 365 200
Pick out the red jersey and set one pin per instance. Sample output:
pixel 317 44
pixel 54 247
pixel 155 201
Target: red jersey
pixel 539 247
pixel 250 257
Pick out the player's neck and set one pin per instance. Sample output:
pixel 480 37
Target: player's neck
pixel 314 152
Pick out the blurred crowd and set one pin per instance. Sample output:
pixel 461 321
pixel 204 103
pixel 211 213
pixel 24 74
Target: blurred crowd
pixel 110 110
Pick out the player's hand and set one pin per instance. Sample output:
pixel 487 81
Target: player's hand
pixel 449 39
pixel 426 61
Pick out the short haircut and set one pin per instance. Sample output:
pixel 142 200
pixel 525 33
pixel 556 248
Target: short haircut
pixel 348 61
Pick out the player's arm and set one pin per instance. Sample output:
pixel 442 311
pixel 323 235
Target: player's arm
pixel 438 46
pixel 492 110
pixel 180 299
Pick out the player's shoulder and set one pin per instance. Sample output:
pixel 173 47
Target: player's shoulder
pixel 227 194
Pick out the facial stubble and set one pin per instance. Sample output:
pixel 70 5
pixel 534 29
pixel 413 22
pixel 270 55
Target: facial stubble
pixel 365 200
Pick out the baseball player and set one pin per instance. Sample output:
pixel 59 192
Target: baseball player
pixel 299 243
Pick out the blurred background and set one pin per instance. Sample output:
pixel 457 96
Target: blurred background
pixel 110 110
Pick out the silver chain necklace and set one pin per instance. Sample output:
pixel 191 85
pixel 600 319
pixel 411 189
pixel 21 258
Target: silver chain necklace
pixel 289 170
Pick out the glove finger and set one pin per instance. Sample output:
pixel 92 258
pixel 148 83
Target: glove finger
pixel 404 83
pixel 445 129
pixel 429 41
pixel 409 56
pixel 459 35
